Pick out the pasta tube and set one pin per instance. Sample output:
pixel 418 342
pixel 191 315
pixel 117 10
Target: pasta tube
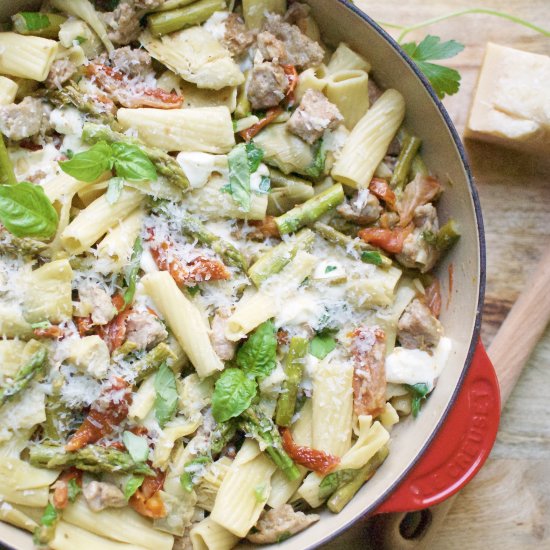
pixel 349 91
pixel 8 90
pixel 26 56
pixel 345 59
pixel 368 142
pixel 185 321
pixel 209 535
pixel 69 537
pixel 96 219
pixel 205 129
pixel 244 490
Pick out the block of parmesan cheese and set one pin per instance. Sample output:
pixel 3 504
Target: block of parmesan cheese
pixel 512 101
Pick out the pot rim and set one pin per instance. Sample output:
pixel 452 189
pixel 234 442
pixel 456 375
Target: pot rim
pixel 482 265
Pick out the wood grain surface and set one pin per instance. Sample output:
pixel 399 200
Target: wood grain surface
pixel 507 506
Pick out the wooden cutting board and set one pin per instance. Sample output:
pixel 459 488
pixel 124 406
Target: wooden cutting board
pixel 507 506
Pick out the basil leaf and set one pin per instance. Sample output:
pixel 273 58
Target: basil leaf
pixel 334 481
pixel 91 164
pixel 233 394
pixel 322 345
pixel 372 258
pixel 74 489
pixel 49 517
pixel 132 272
pixel 419 393
pixel 257 356
pixel 319 157
pixel 330 268
pixel 114 189
pixel 137 446
pixel 80 40
pixel 35 21
pixel 166 400
pixel 254 155
pixel 239 176
pixel 132 485
pixel 132 164
pixel 193 289
pixel 26 211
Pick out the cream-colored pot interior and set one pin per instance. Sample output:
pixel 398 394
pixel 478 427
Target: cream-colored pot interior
pixel 338 22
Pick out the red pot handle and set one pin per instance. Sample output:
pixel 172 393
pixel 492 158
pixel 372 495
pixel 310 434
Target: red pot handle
pixel 460 447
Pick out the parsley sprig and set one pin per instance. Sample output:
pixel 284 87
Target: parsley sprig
pixel 446 81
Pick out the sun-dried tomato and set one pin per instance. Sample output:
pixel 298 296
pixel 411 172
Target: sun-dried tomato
pixel 312 459
pixel 270 116
pixel 101 422
pixel 53 331
pixel 146 500
pixel 380 189
pixel 390 240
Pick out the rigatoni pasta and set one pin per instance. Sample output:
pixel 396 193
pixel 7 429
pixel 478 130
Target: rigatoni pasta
pixel 216 296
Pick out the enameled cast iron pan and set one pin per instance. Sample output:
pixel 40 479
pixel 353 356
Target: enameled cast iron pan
pixel 436 454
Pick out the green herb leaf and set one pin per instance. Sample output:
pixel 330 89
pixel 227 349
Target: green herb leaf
pixel 372 257
pixel 26 211
pixel 186 479
pixel 319 156
pixel 74 490
pixel 132 164
pixel 239 176
pixel 265 185
pixel 257 356
pixel 330 268
pixel 91 164
pixel 193 289
pixel 255 156
pixel 322 345
pixel 41 324
pixel 233 394
pixel 132 485
pixel 430 237
pixel 259 493
pixel 35 21
pixel 166 401
pixel 132 271
pixel 419 393
pixel 80 40
pixel 49 517
pixel 137 446
pixel 332 482
pixel 445 81
pixel 114 189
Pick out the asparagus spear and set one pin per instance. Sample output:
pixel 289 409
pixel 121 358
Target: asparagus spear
pixel 343 495
pixel 19 245
pixel 311 210
pixel 222 436
pixel 174 20
pixel 194 227
pixel 335 237
pixel 152 361
pixel 418 167
pixel 7 174
pixel 447 236
pixel 266 433
pixel 45 25
pixel 294 367
pixel 278 257
pixel 91 458
pixel 24 376
pixel 70 94
pixel 410 147
pixel 166 165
